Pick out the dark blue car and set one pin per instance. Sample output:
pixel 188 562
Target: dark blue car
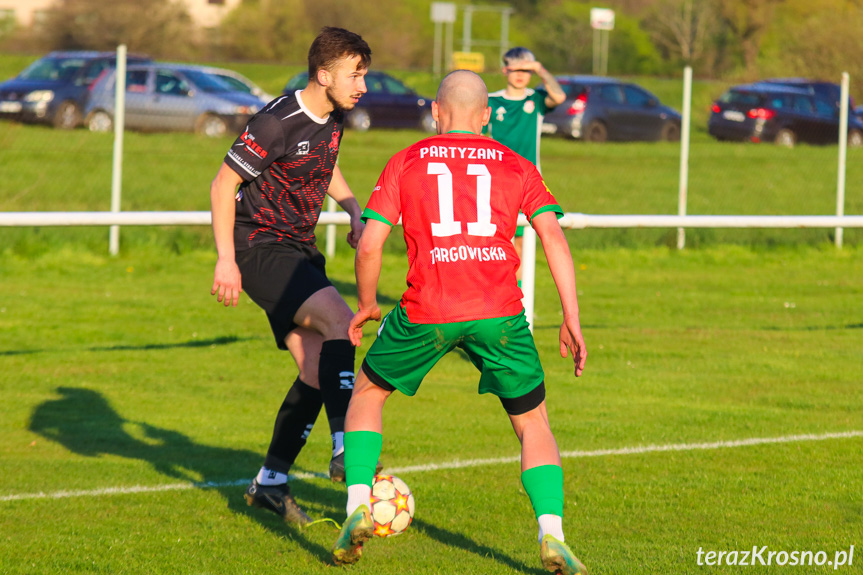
pixel 785 115
pixel 54 89
pixel 388 103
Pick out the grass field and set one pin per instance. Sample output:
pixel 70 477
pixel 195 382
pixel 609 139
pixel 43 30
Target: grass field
pixel 135 408
pixel 721 408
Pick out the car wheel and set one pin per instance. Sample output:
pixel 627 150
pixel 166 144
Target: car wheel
pixel 855 139
pixel 596 132
pixel 100 121
pixel 671 132
pixel 427 123
pixel 211 125
pixel 785 138
pixel 360 120
pixel 68 116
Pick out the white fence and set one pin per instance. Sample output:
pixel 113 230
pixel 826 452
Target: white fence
pixel 570 221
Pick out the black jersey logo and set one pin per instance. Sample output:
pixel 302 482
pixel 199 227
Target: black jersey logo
pixel 303 148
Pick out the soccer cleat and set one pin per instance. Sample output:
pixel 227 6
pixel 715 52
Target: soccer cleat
pixel 278 499
pixel 337 468
pixel 558 558
pixel 357 529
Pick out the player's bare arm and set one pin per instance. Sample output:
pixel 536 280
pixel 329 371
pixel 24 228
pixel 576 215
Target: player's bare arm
pixel 556 95
pixel 227 283
pixel 367 264
pixel 560 263
pixel 341 193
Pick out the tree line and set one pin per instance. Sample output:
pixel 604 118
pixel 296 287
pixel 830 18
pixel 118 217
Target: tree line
pixel 729 39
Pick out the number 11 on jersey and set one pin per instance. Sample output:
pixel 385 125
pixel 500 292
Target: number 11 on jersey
pixel 448 226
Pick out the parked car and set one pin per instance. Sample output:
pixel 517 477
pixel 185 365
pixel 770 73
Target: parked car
pixel 54 89
pixel 770 112
pixel 172 97
pixel 240 83
pixel 828 90
pixel 597 109
pixel 388 103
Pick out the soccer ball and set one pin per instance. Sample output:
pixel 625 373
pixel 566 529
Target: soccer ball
pixel 392 505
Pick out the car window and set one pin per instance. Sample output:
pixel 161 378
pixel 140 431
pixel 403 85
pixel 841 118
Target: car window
pixel 235 83
pixel 61 69
pixel 206 81
pixel 393 86
pixel 637 96
pixel 374 84
pixel 803 104
pixel 136 81
pixel 572 90
pixel 824 108
pixel 741 98
pixel 298 82
pixel 92 72
pixel 609 94
pixel 170 84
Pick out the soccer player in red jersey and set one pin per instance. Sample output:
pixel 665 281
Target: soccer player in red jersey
pixel 458 195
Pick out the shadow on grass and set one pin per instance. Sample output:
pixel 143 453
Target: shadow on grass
pixel 225 340
pixel 82 421
pixel 466 543
pixel 350 289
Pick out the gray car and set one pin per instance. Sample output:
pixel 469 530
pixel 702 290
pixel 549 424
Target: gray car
pixel 172 97
pixel 599 109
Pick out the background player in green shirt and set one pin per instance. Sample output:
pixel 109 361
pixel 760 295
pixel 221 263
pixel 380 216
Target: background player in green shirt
pixel 517 110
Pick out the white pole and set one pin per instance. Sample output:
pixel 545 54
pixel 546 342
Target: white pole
pixel 436 61
pixel 683 190
pixel 843 151
pixel 596 49
pixel 119 121
pixel 331 229
pixel 604 35
pixel 528 272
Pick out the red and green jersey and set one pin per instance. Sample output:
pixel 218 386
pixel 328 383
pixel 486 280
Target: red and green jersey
pixel 458 196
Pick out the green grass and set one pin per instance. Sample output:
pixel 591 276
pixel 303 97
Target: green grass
pixel 122 372
pixel 50 170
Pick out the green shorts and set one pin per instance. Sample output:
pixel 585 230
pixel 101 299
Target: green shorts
pixel 501 348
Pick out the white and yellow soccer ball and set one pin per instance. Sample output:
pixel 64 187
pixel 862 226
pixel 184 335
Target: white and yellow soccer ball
pixel 392 505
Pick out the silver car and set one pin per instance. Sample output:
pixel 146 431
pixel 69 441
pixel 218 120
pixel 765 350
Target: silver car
pixel 172 97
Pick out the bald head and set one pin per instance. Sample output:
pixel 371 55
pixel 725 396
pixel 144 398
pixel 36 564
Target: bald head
pixel 462 102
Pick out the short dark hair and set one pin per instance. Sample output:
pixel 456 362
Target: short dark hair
pixel 516 54
pixel 334 44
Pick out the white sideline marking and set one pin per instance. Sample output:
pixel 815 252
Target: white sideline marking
pixel 450 465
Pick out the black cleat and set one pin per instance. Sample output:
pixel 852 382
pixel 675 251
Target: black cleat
pixel 278 499
pixel 337 468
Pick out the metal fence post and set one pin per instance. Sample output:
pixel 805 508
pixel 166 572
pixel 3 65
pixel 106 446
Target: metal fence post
pixel 843 151
pixel 119 121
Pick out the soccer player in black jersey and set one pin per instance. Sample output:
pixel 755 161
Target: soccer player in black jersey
pixel 266 199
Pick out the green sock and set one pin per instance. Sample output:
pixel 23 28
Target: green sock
pixel 362 451
pixel 544 486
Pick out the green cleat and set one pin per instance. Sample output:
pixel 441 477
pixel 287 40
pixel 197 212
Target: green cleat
pixel 558 558
pixel 357 529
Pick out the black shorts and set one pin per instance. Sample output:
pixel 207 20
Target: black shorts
pixel 280 277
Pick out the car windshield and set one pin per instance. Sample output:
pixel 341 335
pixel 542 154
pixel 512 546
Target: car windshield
pixel 207 82
pixel 57 69
pixel 234 83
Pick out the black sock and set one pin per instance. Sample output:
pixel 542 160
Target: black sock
pixel 336 376
pixel 293 425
